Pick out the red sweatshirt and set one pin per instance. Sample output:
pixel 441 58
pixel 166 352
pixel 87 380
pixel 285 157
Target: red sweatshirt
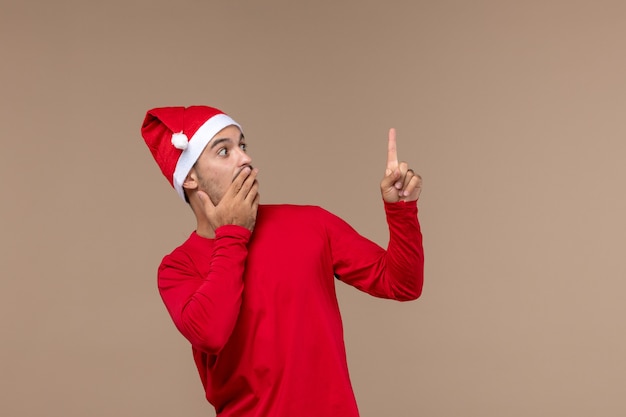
pixel 260 309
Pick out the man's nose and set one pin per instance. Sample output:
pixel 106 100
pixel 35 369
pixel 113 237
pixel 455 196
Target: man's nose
pixel 245 159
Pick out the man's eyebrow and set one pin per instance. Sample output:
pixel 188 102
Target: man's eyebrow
pixel 216 142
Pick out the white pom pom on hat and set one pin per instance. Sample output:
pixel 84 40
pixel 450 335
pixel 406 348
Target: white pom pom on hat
pixel 180 141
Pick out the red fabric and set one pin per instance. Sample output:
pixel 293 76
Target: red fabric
pixel 261 313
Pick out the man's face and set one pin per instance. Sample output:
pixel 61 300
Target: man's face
pixel 220 162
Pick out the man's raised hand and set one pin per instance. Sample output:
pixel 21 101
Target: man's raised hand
pixel 400 183
pixel 239 204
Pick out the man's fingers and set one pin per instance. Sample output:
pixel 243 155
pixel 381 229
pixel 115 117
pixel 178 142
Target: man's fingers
pixel 403 168
pixel 408 175
pixel 413 183
pixel 248 184
pixel 239 180
pixel 255 202
pixel 392 152
pixel 252 193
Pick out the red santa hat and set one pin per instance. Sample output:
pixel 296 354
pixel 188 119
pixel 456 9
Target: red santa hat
pixel 177 136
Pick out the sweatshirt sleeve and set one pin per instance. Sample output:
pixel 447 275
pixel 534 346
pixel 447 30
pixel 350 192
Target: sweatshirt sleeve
pixel 396 273
pixel 204 302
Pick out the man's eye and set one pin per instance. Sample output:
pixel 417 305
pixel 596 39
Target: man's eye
pixel 243 147
pixel 222 152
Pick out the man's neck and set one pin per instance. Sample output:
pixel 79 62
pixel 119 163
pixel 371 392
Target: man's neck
pixel 203 227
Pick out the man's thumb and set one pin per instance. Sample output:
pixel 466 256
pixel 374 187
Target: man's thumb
pixel 391 176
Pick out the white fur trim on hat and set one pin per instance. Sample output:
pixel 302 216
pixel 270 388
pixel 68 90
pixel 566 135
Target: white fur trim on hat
pixel 196 145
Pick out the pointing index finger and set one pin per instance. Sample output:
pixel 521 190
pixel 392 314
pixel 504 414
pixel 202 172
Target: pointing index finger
pixel 392 152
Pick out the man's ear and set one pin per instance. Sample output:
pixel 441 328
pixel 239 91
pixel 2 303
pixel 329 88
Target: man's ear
pixel 191 181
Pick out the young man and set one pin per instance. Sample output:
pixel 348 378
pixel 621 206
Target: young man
pixel 253 287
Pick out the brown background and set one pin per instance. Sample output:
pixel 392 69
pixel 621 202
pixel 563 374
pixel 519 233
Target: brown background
pixel 513 112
